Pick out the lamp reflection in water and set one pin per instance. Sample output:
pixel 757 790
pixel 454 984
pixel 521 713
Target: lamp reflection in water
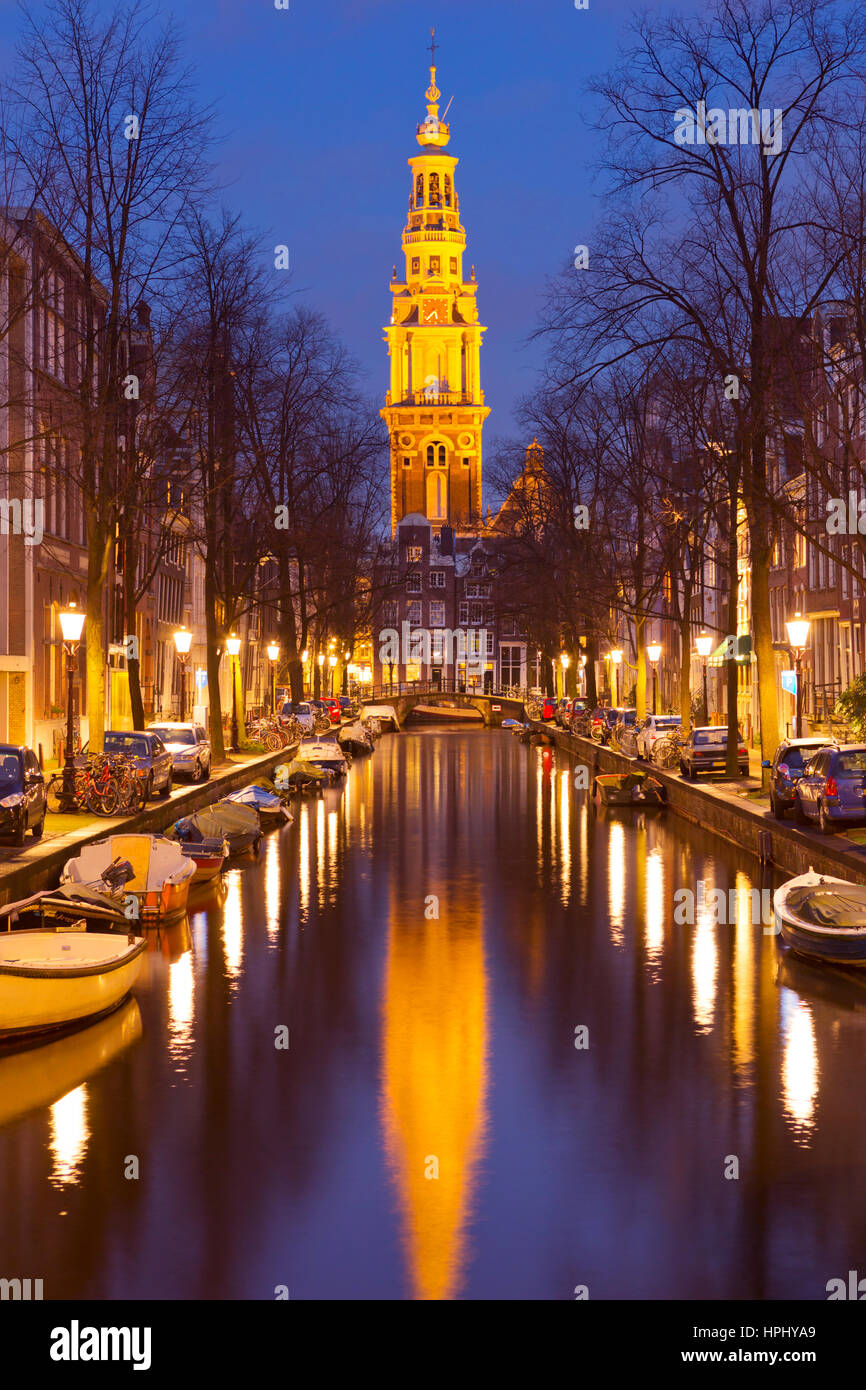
pixel 181 1007
pixel 705 964
pixel 272 887
pixel 434 1083
pixel 304 860
pixel 616 880
pixel 799 1065
pixel 70 1131
pixel 746 932
pixel 655 906
pixel 565 835
pixel 233 926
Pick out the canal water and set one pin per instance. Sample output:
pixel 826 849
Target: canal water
pixel 510 1073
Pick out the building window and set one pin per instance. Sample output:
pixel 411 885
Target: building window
pixel 435 197
pixel 436 496
pixel 416 265
pixel 463 614
pixel 413 554
pixel 419 191
pixel 436 456
pixel 413 582
pixel 509 627
pixel 453 265
pixel 437 613
pixel 389 613
pixel 447 190
pixel 437 579
pixel 435 265
pixel 489 641
pixel 465 462
pixel 407 462
pixel 413 613
pixel 477 613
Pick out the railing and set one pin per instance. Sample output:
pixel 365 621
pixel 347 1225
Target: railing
pixel 443 687
pixel 437 398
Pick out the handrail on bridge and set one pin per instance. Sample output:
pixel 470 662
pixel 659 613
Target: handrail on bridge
pixel 444 687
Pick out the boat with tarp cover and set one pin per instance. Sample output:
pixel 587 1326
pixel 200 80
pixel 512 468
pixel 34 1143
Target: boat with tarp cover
pixel 823 919
pixel 224 820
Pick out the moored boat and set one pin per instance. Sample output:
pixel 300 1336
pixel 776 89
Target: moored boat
pixel 324 752
pixel 269 807
pixel 51 979
pixel 224 820
pixel 385 714
pixel 355 738
pixel 161 873
pixel 300 776
pixel 823 918
pixel 69 907
pixel 629 789
pixel 209 857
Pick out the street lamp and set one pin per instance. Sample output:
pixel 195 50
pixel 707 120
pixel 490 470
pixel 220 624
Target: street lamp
pixel 71 625
pixel 273 652
pixel 798 637
pixel 305 679
pixel 332 661
pixel 182 643
pixel 582 663
pixel 565 662
pixel 233 646
pixel 616 658
pixel 654 651
pixel 321 660
pixel 704 645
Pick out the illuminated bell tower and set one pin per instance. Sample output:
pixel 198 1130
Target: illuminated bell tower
pixel 435 408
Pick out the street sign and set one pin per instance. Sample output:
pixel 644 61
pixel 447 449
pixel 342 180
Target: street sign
pixel 497 709
pixel 200 678
pixel 789 681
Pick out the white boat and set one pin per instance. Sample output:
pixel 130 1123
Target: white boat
pixel 323 752
pixel 51 979
pixel 355 738
pixel 161 873
pixel 386 715
pixel 823 918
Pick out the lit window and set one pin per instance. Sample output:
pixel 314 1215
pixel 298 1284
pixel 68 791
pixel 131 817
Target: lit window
pixel 437 613
pixel 413 554
pixel 413 614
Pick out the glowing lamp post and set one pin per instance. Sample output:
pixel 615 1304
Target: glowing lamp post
pixel 798 638
pixel 71 626
pixel 233 646
pixel 332 661
pixel 182 644
pixel 565 662
pixel 615 659
pixel 273 652
pixel 654 651
pixel 704 644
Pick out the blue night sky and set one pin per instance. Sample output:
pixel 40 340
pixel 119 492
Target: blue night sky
pixel 319 104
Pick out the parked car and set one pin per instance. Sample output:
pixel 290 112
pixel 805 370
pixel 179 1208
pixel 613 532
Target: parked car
pixel 625 727
pixel 22 793
pixel 653 728
pixel 348 706
pixel 548 706
pixel 189 747
pixel 601 724
pixel 706 750
pixel 786 769
pixel 148 754
pixel 301 710
pixel 832 789
pixel 332 705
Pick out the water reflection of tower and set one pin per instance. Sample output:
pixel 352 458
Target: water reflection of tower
pixel 434 1072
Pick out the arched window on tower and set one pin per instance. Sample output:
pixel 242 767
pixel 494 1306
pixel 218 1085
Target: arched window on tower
pixel 447 190
pixel 441 455
pixel 437 488
pixel 419 191
pixel 435 196
pixel 431 455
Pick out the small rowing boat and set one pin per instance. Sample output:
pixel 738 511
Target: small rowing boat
pixel 225 820
pixel 268 805
pixel 355 738
pixel 50 979
pixel 629 789
pixel 161 874
pixel 323 752
pixel 823 918
pixel 209 856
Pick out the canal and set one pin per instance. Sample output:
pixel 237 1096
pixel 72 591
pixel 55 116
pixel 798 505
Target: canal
pixel 509 1072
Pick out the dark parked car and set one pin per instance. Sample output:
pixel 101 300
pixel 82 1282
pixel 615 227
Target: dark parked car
pixel 706 750
pixel 148 754
pixel 832 789
pixel 22 793
pixel 563 711
pixel 786 769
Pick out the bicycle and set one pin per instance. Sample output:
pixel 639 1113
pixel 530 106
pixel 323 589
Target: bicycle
pixel 666 752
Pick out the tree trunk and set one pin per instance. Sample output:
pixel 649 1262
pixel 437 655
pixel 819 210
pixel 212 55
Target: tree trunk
pixel 133 663
pixel 685 628
pixel 97 572
pixel 640 680
pixel 214 641
pixel 732 758
pixel 591 688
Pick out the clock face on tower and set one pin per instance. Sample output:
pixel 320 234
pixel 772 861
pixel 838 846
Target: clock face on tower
pixel 434 310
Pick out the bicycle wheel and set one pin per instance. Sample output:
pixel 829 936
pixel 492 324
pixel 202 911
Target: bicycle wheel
pixel 103 798
pixel 666 754
pixel 272 741
pixel 53 792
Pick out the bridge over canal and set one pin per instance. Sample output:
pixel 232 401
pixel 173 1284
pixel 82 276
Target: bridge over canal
pixel 416 698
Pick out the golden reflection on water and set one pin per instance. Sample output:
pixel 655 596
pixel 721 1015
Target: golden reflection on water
pixel 746 930
pixel 655 907
pixel 799 1066
pixel 304 859
pixel 565 835
pixel 705 964
pixel 181 1007
pixel 272 887
pixel 233 925
pixel 616 880
pixel 69 1133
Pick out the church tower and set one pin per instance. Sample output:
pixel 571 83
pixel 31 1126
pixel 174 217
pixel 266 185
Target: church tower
pixel 435 408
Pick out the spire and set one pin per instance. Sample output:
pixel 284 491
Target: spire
pixel 433 133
